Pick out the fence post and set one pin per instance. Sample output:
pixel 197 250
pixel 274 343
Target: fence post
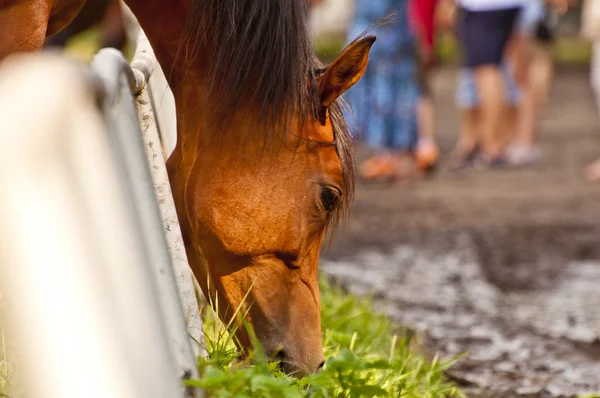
pixel 119 82
pixel 145 66
pixel 73 268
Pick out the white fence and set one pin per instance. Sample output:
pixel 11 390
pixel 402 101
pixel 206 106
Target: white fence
pixel 93 270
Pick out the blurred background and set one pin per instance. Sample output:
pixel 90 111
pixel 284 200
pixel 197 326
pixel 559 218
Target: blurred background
pixel 500 262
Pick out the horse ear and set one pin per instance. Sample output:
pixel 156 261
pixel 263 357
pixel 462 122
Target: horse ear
pixel 345 71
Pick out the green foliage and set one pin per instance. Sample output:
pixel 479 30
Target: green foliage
pixel 5 376
pixel 566 50
pixel 5 368
pixel 328 47
pixel 365 359
pixel 84 45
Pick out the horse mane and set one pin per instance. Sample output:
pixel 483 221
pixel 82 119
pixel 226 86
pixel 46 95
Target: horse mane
pixel 261 56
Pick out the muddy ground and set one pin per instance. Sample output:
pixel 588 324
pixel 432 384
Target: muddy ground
pixel 503 265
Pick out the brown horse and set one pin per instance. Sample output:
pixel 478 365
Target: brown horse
pixel 263 165
pixel 107 14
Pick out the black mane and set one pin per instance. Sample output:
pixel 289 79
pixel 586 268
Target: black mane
pixel 261 54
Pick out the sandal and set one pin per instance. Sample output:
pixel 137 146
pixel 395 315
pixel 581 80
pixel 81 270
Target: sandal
pixel 485 162
pixel 378 167
pixel 405 168
pixel 426 156
pixel 460 159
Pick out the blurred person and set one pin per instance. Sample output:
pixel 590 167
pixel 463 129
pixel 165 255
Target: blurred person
pixel 469 104
pixel 531 57
pixel 422 14
pixel 527 72
pixel 591 31
pixel 384 101
pixel 485 28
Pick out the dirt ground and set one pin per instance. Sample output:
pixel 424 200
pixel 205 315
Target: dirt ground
pixel 503 265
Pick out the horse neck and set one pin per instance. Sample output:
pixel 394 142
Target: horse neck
pixel 163 22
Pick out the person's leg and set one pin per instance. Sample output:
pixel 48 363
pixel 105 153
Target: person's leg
pixel 486 36
pixel 519 50
pixel 516 75
pixel 467 147
pixel 427 152
pixel 523 149
pixel 469 132
pixel 592 171
pixel 383 132
pixel 534 71
pixel 370 104
pixel 510 120
pixel 519 55
pixel 490 86
pixel 467 102
pixel 424 111
pixel 426 118
pixel 534 96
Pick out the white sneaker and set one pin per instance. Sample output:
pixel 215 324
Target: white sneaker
pixel 523 155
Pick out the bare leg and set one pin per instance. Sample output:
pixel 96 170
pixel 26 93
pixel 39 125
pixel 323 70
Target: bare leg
pixel 490 86
pixel 426 118
pixel 519 55
pixel 469 130
pixel 509 125
pixel 427 152
pixel 592 171
pixel 468 139
pixel 535 94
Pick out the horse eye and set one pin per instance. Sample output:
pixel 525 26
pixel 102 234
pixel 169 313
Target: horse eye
pixel 329 198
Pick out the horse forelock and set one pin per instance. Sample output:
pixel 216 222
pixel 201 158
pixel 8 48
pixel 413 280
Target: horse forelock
pixel 260 55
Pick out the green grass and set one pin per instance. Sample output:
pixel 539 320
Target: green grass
pixel 87 43
pixel 328 47
pixel 5 368
pixel 365 358
pixel 5 373
pixel 566 50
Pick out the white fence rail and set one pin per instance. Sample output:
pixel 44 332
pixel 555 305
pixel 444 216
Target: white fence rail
pixel 93 272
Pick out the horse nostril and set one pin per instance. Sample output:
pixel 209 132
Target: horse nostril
pixel 279 355
pixel 321 365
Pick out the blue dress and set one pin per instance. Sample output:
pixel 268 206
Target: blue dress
pixel 383 103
